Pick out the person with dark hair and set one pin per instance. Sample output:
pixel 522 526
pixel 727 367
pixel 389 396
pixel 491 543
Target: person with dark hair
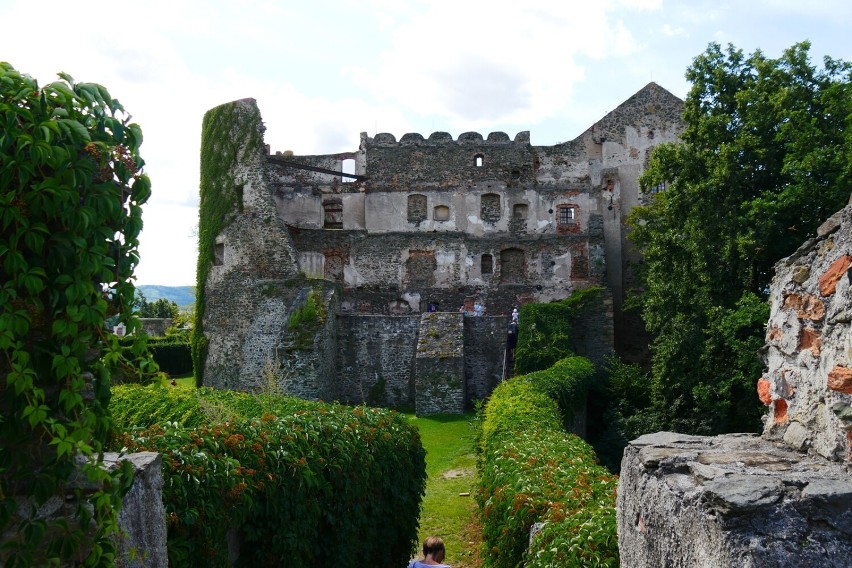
pixel 433 554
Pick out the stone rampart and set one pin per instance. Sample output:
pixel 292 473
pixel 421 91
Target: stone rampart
pixel 375 359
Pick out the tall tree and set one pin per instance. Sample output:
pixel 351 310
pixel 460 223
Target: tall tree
pixel 764 159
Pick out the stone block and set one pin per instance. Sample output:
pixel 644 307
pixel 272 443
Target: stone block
pixel 840 379
pixel 828 281
pixel 734 500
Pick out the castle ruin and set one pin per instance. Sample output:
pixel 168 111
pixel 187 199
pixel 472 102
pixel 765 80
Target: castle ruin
pixel 401 236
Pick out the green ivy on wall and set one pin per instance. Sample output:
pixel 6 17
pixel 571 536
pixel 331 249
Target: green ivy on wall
pixel 224 134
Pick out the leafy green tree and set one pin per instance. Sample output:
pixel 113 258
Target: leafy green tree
pixel 71 190
pixel 764 160
pixel 159 308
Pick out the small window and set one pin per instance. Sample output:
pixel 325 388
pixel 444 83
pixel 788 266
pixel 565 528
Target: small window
pixel 660 187
pixel 218 254
pixel 442 213
pixel 479 160
pixel 567 215
pixel 333 218
pixel 416 208
pixel 487 264
pixel 519 211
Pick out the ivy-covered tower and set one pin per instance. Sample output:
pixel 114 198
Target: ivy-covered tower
pixel 246 258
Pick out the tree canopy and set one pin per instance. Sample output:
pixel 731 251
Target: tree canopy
pixel 765 158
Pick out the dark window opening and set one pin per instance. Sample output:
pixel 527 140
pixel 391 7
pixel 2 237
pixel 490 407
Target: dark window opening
pixel 519 211
pixel 218 254
pixel 333 218
pixel 490 208
pixel 516 174
pixel 416 208
pixel 487 264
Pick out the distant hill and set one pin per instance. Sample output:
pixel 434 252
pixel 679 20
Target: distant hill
pixel 183 296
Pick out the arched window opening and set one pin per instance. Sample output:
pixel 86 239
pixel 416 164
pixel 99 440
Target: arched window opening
pixel 519 211
pixel 479 160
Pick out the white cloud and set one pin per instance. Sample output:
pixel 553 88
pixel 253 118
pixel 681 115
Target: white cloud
pixel 670 31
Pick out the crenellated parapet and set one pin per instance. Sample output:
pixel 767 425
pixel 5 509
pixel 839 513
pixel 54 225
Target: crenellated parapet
pixel 442 138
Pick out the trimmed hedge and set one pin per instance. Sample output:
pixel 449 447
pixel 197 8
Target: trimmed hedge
pixel 305 483
pixel 531 471
pixel 173 357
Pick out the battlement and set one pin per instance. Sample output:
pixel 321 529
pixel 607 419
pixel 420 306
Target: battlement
pixel 385 139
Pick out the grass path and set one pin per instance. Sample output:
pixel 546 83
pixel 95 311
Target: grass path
pixel 451 467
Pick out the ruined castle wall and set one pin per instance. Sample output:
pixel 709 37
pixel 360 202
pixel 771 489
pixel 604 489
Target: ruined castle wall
pixel 375 360
pixel 439 378
pixel 484 349
pixel 808 382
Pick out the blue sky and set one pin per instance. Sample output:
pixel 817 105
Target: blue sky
pixel 324 71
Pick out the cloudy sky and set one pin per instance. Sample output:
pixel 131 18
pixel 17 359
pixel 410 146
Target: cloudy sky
pixel 325 70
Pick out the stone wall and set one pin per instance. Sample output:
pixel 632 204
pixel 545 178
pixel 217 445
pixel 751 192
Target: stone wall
pixel 484 350
pixel 375 359
pixel 808 382
pixel 439 365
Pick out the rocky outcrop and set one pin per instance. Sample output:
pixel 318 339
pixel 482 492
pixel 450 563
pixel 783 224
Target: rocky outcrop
pixel 735 500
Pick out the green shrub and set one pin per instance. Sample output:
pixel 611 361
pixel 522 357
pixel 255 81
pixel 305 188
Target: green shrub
pixel 531 471
pixel 544 331
pixel 305 483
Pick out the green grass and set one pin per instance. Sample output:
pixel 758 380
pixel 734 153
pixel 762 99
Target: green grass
pixel 451 467
pixel 183 381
